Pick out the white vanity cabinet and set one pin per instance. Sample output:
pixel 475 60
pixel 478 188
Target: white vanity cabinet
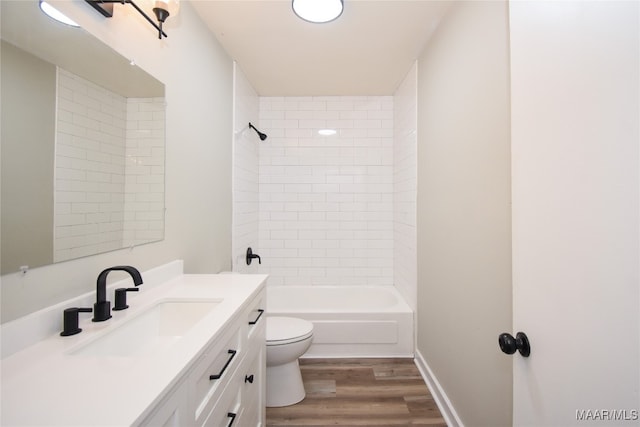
pixel 226 385
pixel 190 351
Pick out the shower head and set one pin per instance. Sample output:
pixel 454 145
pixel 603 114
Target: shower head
pixel 260 134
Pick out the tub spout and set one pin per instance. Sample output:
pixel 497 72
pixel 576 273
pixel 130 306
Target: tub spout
pixel 251 256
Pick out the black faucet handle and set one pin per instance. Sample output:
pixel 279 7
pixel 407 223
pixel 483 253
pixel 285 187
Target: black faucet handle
pixel 121 297
pixel 70 320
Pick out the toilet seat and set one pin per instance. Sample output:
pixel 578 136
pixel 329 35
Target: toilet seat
pixel 287 330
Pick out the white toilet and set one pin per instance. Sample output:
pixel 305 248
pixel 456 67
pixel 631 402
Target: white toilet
pixel 287 339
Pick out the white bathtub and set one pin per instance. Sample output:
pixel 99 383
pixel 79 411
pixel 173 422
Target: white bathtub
pixel 349 321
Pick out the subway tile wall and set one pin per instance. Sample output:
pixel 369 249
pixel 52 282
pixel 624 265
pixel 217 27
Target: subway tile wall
pixel 90 168
pixel 96 164
pixel 245 173
pixel 405 172
pixel 144 171
pixel 326 202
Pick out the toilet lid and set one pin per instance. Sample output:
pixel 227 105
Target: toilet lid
pixel 287 329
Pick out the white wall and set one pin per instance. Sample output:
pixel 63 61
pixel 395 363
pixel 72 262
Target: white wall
pixel 326 203
pixel 198 78
pixel 29 87
pixel 464 224
pixel 405 187
pixel 245 172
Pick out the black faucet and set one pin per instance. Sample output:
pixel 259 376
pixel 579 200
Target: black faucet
pixel 102 307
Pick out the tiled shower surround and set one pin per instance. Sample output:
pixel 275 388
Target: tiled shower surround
pixel 245 173
pixel 109 169
pixel 335 210
pixel 326 202
pixel 405 186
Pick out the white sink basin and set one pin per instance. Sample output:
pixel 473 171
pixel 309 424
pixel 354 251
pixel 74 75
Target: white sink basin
pixel 156 329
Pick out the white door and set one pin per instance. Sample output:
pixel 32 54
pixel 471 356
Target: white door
pixel 575 165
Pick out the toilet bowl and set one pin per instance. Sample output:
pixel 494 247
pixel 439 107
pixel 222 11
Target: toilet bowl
pixel 287 339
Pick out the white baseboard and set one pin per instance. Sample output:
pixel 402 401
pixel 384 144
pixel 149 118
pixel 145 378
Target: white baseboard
pixel 444 404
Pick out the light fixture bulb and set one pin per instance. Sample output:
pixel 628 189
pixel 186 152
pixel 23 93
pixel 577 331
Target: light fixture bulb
pixel 169 8
pixel 318 11
pixel 163 9
pixel 54 13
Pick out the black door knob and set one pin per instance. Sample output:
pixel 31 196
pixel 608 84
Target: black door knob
pixel 509 344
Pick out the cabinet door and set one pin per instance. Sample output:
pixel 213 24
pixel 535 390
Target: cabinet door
pixel 254 388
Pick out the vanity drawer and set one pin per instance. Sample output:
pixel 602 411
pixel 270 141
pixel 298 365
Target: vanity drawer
pixel 227 410
pixel 239 404
pixel 255 315
pixel 214 371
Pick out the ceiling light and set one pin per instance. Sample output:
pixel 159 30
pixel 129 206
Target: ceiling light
pixel 56 14
pixel 318 11
pixel 162 9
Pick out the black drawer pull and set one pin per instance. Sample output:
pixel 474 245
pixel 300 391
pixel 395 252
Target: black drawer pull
pixel 248 379
pixel 233 418
pixel 260 311
pixel 224 368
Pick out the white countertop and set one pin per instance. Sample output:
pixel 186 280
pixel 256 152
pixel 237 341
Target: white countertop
pixel 44 384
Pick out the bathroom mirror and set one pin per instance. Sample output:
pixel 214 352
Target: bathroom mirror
pixel 82 144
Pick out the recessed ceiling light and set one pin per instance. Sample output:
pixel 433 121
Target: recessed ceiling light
pixel 318 11
pixel 327 132
pixel 54 13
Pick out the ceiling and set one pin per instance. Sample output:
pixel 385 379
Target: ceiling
pixel 366 51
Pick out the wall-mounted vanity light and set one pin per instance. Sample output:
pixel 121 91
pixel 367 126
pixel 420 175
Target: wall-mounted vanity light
pixel 162 9
pixel 54 13
pixel 318 11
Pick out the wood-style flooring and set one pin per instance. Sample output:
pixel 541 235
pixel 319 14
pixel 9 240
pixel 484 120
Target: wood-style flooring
pixel 360 392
